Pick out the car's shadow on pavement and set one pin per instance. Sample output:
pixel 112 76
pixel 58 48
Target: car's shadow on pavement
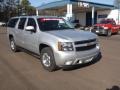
pixel 114 88
pixel 75 67
pixel 114 34
pixel 67 68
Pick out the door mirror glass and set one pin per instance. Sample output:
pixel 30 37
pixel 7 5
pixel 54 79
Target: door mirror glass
pixel 30 28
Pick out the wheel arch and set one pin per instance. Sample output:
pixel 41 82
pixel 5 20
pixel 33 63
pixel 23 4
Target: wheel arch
pixel 11 36
pixel 42 45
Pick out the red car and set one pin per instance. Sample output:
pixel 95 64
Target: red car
pixel 106 27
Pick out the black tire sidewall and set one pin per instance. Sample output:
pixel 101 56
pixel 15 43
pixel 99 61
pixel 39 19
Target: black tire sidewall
pixel 109 33
pixel 15 47
pixel 52 66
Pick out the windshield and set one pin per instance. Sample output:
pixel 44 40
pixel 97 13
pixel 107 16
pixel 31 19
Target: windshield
pixel 107 22
pixel 49 24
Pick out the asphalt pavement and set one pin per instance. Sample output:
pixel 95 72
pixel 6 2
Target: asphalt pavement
pixel 22 71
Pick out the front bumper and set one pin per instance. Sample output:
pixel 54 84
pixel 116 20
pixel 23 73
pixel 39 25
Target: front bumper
pixel 74 58
pixel 99 31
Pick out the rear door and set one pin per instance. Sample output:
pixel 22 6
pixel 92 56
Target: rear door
pixel 11 27
pixel 20 32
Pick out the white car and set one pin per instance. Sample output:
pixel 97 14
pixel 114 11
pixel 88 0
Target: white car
pixel 54 39
pixel 2 23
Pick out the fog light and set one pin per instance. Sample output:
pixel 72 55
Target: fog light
pixel 80 61
pixel 97 46
pixel 68 63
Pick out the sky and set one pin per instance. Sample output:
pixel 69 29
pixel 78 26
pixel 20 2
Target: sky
pixel 39 2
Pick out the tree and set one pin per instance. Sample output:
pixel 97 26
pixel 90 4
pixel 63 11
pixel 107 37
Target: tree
pixel 26 8
pixel 7 9
pixel 11 8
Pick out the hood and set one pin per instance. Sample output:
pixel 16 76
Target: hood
pixel 73 35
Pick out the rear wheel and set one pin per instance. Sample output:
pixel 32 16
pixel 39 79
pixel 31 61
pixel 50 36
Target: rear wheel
pixel 13 46
pixel 47 59
pixel 118 32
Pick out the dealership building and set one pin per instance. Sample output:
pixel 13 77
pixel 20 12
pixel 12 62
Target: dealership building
pixel 87 13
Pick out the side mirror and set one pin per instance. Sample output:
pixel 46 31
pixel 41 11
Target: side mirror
pixel 30 28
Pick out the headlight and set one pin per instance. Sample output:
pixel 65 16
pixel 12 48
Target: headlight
pixel 97 44
pixel 97 40
pixel 105 27
pixel 65 46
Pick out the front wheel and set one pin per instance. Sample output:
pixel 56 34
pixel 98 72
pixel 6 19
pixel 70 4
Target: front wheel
pixel 109 33
pixel 118 32
pixel 47 59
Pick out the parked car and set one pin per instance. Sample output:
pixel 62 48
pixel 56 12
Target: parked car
pixel 57 43
pixel 2 24
pixel 106 27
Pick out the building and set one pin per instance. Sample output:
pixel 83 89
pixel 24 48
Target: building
pixel 88 13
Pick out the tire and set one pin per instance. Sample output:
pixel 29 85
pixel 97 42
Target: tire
pixel 118 32
pixel 47 59
pixel 13 46
pixel 109 33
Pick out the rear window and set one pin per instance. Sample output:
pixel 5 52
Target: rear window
pixel 12 22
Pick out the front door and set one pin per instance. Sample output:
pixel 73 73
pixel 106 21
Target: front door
pixel 31 37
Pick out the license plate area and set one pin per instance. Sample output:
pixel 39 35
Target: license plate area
pixel 88 60
pixel 84 61
pixel 97 31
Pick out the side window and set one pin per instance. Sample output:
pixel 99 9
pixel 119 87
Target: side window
pixel 31 22
pixel 22 23
pixel 12 23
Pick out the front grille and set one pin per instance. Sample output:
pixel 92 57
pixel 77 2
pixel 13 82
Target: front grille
pixel 97 27
pixel 85 45
pixel 84 48
pixel 85 41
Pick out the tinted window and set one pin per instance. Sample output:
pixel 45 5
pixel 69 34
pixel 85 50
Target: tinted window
pixel 12 22
pixel 108 22
pixel 31 22
pixel 22 23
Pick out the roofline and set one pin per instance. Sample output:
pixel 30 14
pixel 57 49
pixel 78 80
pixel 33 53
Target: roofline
pixel 94 3
pixel 64 2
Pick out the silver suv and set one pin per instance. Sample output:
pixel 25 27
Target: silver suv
pixel 54 39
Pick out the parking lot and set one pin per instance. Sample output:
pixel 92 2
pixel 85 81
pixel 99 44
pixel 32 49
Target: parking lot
pixel 21 71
